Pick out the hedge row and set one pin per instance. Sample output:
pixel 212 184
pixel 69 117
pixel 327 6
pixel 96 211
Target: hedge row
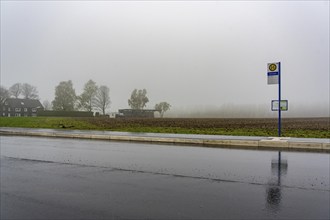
pixel 64 113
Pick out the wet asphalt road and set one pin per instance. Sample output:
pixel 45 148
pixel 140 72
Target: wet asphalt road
pixel 48 178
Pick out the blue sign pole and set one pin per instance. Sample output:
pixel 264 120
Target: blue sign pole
pixel 279 99
pixel 279 115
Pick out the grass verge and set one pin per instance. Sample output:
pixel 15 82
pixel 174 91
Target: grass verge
pixel 46 122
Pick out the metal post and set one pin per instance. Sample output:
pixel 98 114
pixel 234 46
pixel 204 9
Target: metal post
pixel 279 99
pixel 279 120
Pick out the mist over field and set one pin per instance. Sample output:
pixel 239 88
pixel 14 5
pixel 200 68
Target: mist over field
pixel 207 59
pixel 248 111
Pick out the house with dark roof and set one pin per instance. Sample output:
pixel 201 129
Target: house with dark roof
pixel 13 107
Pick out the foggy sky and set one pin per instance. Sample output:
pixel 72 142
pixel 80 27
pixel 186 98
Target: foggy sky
pixel 190 54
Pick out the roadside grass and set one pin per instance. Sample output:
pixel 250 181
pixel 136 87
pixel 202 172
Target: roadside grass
pixel 87 124
pixel 46 122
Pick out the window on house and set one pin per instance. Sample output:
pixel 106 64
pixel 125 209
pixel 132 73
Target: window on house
pixel 25 109
pixel 9 109
pixel 17 109
pixel 34 110
pixel 3 114
pixel 18 115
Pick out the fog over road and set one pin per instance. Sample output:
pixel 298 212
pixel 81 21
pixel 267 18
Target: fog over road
pixel 49 178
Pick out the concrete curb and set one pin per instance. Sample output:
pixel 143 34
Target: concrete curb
pixel 265 143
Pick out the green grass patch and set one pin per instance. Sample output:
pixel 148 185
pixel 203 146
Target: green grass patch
pixel 46 122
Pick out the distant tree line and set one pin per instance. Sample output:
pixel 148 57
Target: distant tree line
pixel 92 98
pixel 139 99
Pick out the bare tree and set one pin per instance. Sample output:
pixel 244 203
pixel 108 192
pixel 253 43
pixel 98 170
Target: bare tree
pixel 87 98
pixel 162 108
pixel 29 91
pixel 4 94
pixel 138 99
pixel 15 90
pixel 47 105
pixel 102 100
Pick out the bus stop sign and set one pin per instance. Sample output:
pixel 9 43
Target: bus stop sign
pixel 272 73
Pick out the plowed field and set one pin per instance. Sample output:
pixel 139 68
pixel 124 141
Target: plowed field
pixel 300 127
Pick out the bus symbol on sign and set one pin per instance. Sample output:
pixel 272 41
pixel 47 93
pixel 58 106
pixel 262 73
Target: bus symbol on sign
pixel 272 67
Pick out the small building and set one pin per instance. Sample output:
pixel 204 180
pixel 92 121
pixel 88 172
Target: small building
pixel 113 114
pixel 13 107
pixel 135 113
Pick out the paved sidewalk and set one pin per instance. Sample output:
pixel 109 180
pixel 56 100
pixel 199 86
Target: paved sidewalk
pixel 283 143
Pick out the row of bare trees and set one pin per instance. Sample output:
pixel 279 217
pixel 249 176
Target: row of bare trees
pixel 19 90
pixel 93 97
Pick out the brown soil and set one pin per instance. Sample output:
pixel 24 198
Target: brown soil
pixel 321 124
